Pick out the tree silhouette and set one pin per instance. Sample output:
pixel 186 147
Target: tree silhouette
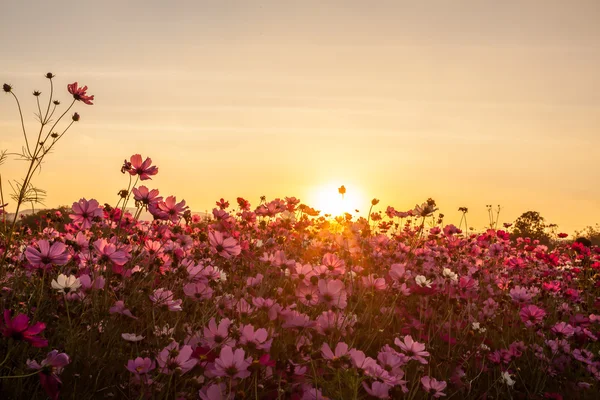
pixel 532 225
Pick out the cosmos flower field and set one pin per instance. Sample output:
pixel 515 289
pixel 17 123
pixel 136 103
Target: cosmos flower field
pixel 275 301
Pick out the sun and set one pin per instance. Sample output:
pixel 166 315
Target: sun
pixel 328 199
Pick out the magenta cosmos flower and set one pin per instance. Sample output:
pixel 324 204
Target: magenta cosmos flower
pixel 232 364
pixel 84 212
pixel 18 328
pixel 49 369
pixel 225 247
pixel 532 315
pixel 79 93
pixel 143 169
pixel 47 255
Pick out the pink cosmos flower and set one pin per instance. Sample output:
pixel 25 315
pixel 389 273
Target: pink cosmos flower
pixel 140 365
pixel 334 264
pixel 329 322
pixel 371 281
pixel 583 355
pixel 170 209
pixel 49 369
pixel 224 247
pixel 414 349
pixel 84 212
pixel 218 335
pixel 307 295
pixel 108 252
pixel 520 295
pixel 79 93
pixel 302 272
pixel 145 196
pixel 143 169
pixel 173 358
pixel 163 297
pixel 532 315
pixel 378 389
pixel 563 329
pixel 47 255
pixel 359 360
pixel 198 291
pixel 216 391
pixel 18 328
pixel 392 361
pixel 295 319
pixel 332 293
pixel 232 364
pixel 269 305
pixel 119 308
pixel 341 350
pixel 433 386
pixel 255 339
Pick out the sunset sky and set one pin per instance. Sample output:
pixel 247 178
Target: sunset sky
pixel 468 102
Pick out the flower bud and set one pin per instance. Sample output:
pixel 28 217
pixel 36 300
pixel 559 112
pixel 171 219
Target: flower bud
pixel 36 93
pixel 50 75
pixel 76 117
pixel 7 88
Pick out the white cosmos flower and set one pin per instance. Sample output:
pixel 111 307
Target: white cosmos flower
pixel 449 274
pixel 66 284
pixel 507 379
pixel 422 281
pixel 132 337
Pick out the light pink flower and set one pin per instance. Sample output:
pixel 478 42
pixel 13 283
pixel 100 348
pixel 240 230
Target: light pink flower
pixel 257 339
pixel 332 293
pixel 145 196
pixel 140 365
pixel 378 389
pixel 198 291
pixel 224 247
pixel 232 364
pixel 47 255
pixel 433 386
pixel 413 349
pixel 108 252
pixel 170 209
pixel 163 297
pixel 173 358
pixel 341 350
pixel 218 335
pixel 307 295
pixel 119 308
pixel 216 391
pixel 84 212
